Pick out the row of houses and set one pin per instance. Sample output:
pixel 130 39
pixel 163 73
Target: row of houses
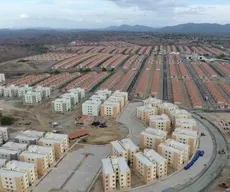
pixel 105 103
pixel 29 95
pixel 28 158
pixel 68 100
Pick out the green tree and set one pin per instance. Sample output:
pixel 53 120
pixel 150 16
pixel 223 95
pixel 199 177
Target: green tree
pixel 7 120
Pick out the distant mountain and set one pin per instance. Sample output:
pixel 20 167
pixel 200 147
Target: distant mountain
pixel 182 28
pixel 134 28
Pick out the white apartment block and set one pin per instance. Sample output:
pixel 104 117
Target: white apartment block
pixel 12 180
pixel 153 102
pixel 145 167
pixel 45 91
pixel 104 92
pixel 2 77
pixel 99 98
pixel 185 123
pixel 161 162
pixel 61 105
pixel 1 90
pixel 144 112
pixel 46 150
pixel 29 168
pixel 15 146
pixel 151 138
pixel 61 137
pixel 10 91
pixel 91 108
pixel 32 98
pixel 73 97
pixel 5 133
pixel 9 154
pixel 179 113
pixel 115 170
pixel 161 122
pixel 186 136
pixel 175 152
pixel 40 160
pixel 29 137
pixel 79 91
pixel 21 91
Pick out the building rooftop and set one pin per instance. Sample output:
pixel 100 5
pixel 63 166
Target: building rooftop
pixel 92 102
pixel 162 117
pixel 117 145
pixel 15 146
pixel 153 155
pixel 176 144
pixel 128 144
pixel 147 107
pixel 19 164
pixel 39 149
pixel 25 137
pixel 8 151
pixel 156 131
pixel 56 136
pixel 107 166
pixel 170 148
pixel 143 159
pixel 34 133
pixel 185 121
pixel 3 128
pixel 122 164
pixel 49 140
pixel 2 162
pixel 32 155
pixel 11 173
pixel 187 132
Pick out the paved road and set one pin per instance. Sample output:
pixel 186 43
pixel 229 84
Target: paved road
pixel 179 179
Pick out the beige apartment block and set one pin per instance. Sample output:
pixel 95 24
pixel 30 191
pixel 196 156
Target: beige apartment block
pixel 56 145
pixel 116 171
pixel 186 123
pixel 151 138
pixel 144 167
pixel 186 136
pixel 12 180
pixel 179 113
pixel 118 150
pixel 154 102
pixel 30 168
pixel 110 109
pixel 144 112
pixel 46 150
pixel 40 160
pixel 122 94
pixel 131 148
pixel 61 137
pixel 167 108
pixel 175 152
pixel 162 163
pixel 161 122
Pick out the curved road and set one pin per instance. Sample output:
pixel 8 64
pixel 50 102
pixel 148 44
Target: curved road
pixel 197 177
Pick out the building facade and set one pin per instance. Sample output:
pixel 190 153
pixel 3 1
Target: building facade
pixel 161 122
pixel 144 112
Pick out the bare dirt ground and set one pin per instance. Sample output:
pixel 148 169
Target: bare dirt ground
pixel 224 176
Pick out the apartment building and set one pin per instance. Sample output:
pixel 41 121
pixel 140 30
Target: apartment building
pixel 2 162
pixel 186 136
pixel 151 138
pixel 56 145
pixel 185 123
pixel 144 112
pixel 10 91
pixel 161 162
pixel 15 146
pixel 118 150
pixel 32 98
pixel 179 113
pixel 46 150
pixel 40 160
pixel 116 170
pixel 154 102
pixel 45 91
pixel 79 91
pixel 12 180
pixel 61 105
pixel 29 168
pixel 121 94
pixel 161 122
pixel 99 98
pixel 105 92
pixel 63 138
pixel 2 77
pixel 91 108
pixel 29 137
pixel 117 99
pixel 167 108
pixel 9 154
pixel 74 97
pixel 110 109
pixel 4 132
pixel 1 90
pixel 144 167
pixel 175 152
pixel 21 91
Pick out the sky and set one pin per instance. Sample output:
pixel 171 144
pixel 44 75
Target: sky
pixel 91 14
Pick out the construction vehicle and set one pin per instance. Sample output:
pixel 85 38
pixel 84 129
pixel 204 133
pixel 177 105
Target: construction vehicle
pixel 202 134
pixel 221 152
pixel 224 185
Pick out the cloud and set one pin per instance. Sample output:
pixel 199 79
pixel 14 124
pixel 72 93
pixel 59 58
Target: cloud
pixel 24 16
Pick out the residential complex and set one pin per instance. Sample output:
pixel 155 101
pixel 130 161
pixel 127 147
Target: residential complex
pixel 186 136
pixel 144 112
pixel 175 152
pixel 151 138
pixel 116 174
pixel 29 137
pixel 161 122
pixel 144 167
